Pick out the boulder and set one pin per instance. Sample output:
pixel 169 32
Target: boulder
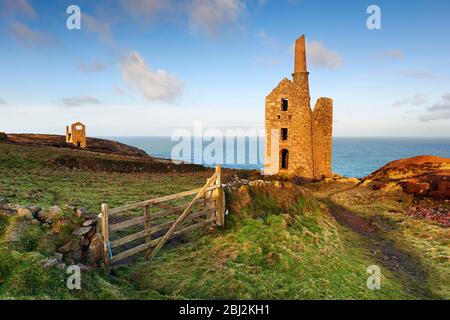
pixel 42 215
pixel 94 251
pixel 56 227
pixel 25 213
pixel 85 242
pixel 34 210
pixel 415 187
pixel 59 256
pixel 444 189
pixel 80 212
pixel 379 186
pixel 74 255
pixel 50 262
pixel 88 223
pixel 61 266
pixel 72 245
pixel 81 231
pixel 91 233
pixel 54 211
pixel 83 267
pixel 49 215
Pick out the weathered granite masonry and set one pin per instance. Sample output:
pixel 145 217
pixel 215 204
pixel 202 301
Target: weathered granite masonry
pixel 76 135
pixel 304 136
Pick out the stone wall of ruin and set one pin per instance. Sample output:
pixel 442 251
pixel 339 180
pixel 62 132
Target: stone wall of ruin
pixel 76 136
pixel 322 127
pixel 297 119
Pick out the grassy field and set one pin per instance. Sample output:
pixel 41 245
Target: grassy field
pixel 278 243
pixel 29 177
pixel 426 241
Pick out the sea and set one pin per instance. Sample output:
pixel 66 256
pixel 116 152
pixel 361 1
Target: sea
pixel 352 157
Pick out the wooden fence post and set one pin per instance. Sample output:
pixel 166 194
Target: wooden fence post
pixel 105 234
pixel 219 198
pixel 148 238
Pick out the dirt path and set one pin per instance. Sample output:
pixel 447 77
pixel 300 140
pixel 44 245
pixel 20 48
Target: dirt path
pixel 407 267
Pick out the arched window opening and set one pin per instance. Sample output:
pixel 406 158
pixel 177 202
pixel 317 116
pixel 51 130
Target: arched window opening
pixel 284 159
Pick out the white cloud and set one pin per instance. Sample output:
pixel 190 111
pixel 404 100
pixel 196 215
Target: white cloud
pixel 203 16
pixel 391 53
pixel 94 25
pixel 2 102
pixel 27 36
pixel 153 85
pixel 438 111
pixel 418 74
pixel 79 101
pixel 266 39
pixel 446 97
pixel 147 7
pixel 416 100
pixel 319 55
pixel 209 15
pixel 18 7
pixel 94 66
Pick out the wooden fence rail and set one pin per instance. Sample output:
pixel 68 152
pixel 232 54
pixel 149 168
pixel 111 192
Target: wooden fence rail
pixel 210 198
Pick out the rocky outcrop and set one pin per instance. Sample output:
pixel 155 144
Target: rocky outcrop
pixel 426 176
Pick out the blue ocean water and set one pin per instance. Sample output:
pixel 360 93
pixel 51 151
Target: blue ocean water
pixel 352 157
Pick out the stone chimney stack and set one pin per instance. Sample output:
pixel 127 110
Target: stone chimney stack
pixel 300 55
pixel 298 140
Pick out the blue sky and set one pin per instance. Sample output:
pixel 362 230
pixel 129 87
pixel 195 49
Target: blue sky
pixel 147 67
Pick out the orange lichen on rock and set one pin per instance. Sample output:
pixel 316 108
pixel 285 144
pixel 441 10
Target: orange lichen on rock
pixel 421 175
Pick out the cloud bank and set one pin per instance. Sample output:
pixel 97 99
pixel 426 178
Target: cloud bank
pixel 18 7
pixel 439 111
pixel 28 36
pixel 209 15
pixel 91 67
pixel 79 101
pixel 416 100
pixel 204 16
pixel 391 53
pixel 418 74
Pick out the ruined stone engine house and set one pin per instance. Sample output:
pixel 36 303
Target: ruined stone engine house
pixel 298 139
pixel 76 135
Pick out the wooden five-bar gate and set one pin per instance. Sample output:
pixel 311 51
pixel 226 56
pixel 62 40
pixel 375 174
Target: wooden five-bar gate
pixel 206 208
